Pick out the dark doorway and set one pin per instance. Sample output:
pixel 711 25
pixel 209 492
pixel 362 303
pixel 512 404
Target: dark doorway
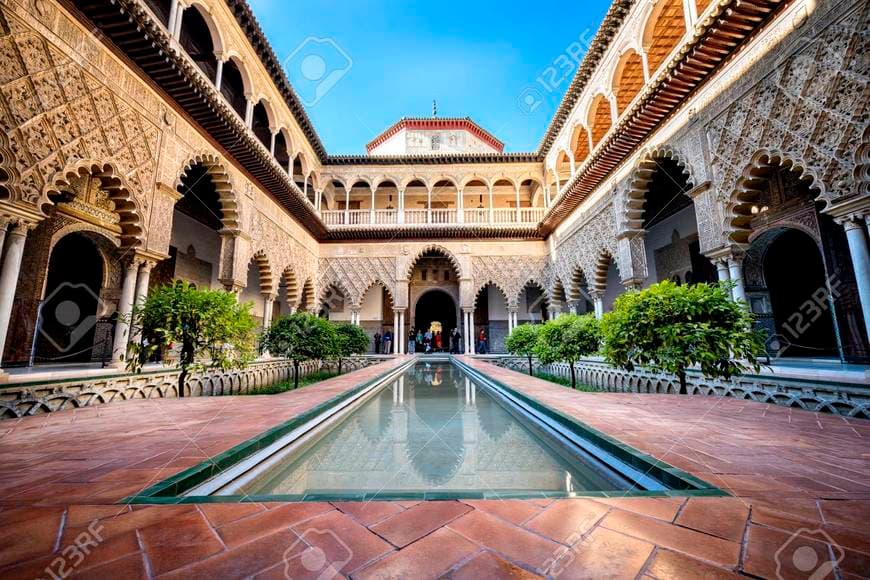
pixel 435 306
pixel 795 276
pixel 70 309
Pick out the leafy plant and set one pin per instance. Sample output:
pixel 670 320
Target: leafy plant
pixel 522 342
pixel 568 338
pixel 671 328
pixel 301 337
pixel 350 340
pixel 211 328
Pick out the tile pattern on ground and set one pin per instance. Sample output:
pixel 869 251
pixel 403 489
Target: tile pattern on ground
pixel 801 486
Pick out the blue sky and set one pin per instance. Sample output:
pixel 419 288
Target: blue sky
pixel 360 66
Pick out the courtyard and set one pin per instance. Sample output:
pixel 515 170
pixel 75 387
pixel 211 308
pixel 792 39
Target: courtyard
pixel 604 312
pixel 793 479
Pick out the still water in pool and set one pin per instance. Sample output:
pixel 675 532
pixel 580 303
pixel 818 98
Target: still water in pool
pixel 432 429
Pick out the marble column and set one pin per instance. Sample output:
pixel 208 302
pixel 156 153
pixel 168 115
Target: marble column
pixel 219 76
pixel 735 269
pixel 16 236
pixel 125 307
pixel 142 282
pixel 466 319
pixel 402 339
pixel 598 302
pixel 857 238
pixel 395 332
pixel 722 270
pixel 268 307
pixel 572 306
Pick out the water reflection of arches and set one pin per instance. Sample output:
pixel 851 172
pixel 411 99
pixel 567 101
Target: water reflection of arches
pixel 437 449
pixel 375 419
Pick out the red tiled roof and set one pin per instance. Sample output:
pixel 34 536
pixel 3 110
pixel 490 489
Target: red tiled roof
pixel 436 123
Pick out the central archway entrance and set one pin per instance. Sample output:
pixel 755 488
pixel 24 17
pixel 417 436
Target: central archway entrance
pixel 436 311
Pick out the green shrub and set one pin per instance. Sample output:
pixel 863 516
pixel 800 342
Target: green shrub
pixel 670 327
pixel 301 337
pixel 568 338
pixel 523 340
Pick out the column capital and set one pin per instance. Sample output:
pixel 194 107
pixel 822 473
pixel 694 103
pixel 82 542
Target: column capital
pixel 233 287
pixel 270 295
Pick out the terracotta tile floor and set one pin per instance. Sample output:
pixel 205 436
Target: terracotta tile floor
pixel 800 481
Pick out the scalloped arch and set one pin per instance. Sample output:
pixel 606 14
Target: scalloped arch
pixel 222 182
pixel 438 248
pixel 749 189
pixel 641 176
pixel 115 185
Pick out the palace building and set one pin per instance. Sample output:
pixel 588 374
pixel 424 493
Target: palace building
pixel 700 140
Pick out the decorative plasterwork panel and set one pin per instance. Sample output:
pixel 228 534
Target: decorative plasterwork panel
pixel 809 112
pixel 356 275
pixel 511 274
pixel 56 114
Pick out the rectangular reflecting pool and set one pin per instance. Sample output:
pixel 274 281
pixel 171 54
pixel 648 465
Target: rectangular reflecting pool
pixel 431 429
pixel 427 430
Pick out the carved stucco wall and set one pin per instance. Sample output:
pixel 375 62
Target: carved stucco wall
pixel 803 102
pixel 69 107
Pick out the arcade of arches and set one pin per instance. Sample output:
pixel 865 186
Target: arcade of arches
pixel 107 189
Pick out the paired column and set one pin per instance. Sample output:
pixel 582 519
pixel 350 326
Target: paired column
pixel 395 332
pixel 598 304
pixel 15 234
pixel 856 235
pixel 142 281
pixel 468 315
pixel 735 270
pixel 268 308
pixel 125 307
pixel 512 320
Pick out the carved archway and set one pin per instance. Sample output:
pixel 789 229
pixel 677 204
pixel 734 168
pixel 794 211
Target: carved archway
pixel 223 184
pixel 126 205
pixel 264 271
pixel 644 170
pixel 740 209
pixel 434 248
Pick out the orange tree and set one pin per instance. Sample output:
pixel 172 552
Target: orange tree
pixel 670 328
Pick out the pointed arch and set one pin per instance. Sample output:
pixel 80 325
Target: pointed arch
pixel 493 283
pixel 579 288
pixel 113 182
pixel 291 284
pixel 307 296
pixel 223 184
pixel 602 269
pixel 377 283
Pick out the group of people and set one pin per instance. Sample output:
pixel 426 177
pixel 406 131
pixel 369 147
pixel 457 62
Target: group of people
pixel 428 342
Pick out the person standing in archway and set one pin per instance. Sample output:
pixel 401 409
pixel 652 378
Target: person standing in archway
pixel 481 342
pixel 377 339
pixel 438 341
pixel 412 342
pixel 388 342
pixel 455 341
